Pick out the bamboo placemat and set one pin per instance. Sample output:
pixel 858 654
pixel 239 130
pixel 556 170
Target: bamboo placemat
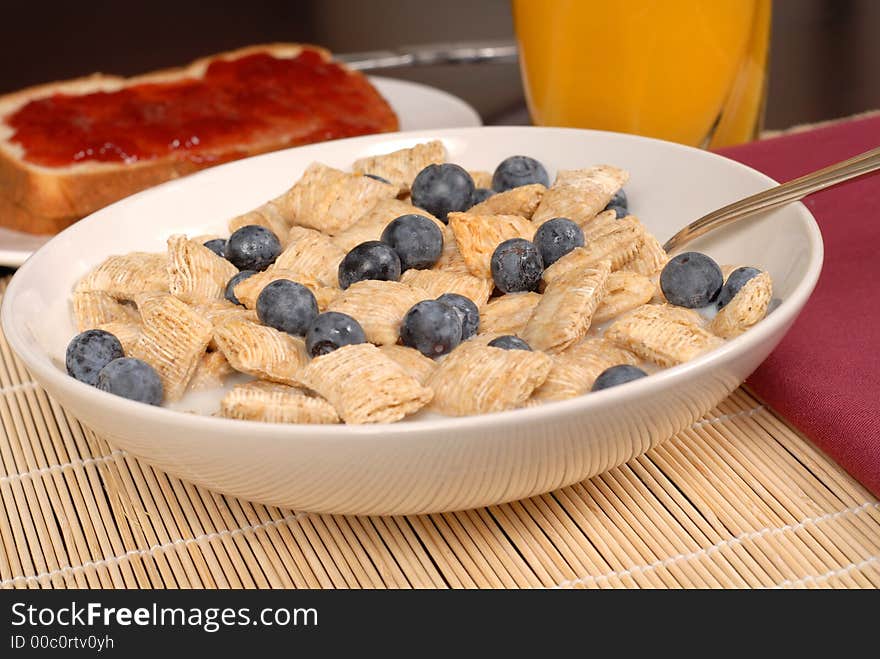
pixel 738 500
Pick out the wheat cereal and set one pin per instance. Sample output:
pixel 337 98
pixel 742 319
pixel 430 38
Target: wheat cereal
pixel 312 254
pixel 370 224
pixel 261 351
pixel 126 276
pixel 566 308
pixel 477 236
pixel 411 360
pixel 94 308
pixel 521 201
pixel 746 308
pixel 477 379
pixel 195 273
pixel 378 306
pixel 329 199
pixel 580 194
pixel 172 340
pixel 401 167
pixel 508 314
pixel 364 385
pixel 271 402
pixel 625 291
pixel 661 334
pixel 434 283
pixel 575 369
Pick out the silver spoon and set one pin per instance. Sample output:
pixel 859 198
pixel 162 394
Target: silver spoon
pixel 779 195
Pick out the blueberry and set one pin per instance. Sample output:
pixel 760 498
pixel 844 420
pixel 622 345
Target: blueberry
pixel 234 281
pixel 516 171
pixel 619 211
pixel 133 379
pixel 480 195
pixel 735 281
pixel 467 312
pixel 619 199
pixel 517 266
pixel 691 280
pixel 556 238
pixel 417 240
pixel 370 260
pixel 431 327
pixel 442 189
pixel 252 247
pixel 376 177
pixel 89 352
pixel 509 342
pixel 620 374
pixel 287 306
pixel 218 246
pixel 331 330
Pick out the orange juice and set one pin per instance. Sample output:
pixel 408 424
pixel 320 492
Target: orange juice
pixel 690 71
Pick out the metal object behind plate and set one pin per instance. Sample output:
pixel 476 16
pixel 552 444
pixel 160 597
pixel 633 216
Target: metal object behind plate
pixel 466 52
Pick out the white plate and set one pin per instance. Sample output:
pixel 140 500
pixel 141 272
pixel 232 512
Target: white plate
pixel 429 464
pixel 419 107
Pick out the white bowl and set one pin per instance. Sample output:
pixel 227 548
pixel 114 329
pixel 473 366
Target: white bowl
pixel 435 464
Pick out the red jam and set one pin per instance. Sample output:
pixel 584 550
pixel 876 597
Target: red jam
pixel 251 100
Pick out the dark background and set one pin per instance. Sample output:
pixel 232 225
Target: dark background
pixel 825 54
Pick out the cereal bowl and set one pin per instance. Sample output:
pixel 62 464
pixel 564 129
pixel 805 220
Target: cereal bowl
pixel 428 463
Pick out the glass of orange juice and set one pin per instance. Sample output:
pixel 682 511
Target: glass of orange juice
pixel 689 71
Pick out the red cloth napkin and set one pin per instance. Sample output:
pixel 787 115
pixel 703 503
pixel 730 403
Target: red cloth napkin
pixel 825 375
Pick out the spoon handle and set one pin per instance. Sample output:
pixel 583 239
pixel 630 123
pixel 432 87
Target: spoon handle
pixel 776 196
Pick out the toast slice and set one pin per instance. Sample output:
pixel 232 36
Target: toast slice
pixel 53 170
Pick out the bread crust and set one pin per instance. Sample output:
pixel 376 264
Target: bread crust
pixel 45 200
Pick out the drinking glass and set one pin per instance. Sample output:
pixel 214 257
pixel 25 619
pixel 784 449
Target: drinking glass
pixel 689 71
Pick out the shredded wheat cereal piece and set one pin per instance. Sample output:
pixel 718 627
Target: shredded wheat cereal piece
pixel 248 290
pixel 370 225
pixel 329 199
pixel 566 309
pixel 401 167
pixel 195 273
pixel 625 291
pixel 271 402
pixel 313 254
pixel 212 370
pixel 476 379
pixel 649 259
pixel 521 201
pixel 477 236
pixel 218 311
pixel 580 194
pixel 93 308
pixel 173 339
pixel 128 275
pixel 267 216
pixel 508 314
pixel 411 360
pixel 127 332
pixel 482 179
pixel 364 385
pixel 261 351
pixel 435 283
pixel 661 334
pixel 618 245
pixel 378 306
pixel 451 259
pixel 575 369
pixel 746 308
